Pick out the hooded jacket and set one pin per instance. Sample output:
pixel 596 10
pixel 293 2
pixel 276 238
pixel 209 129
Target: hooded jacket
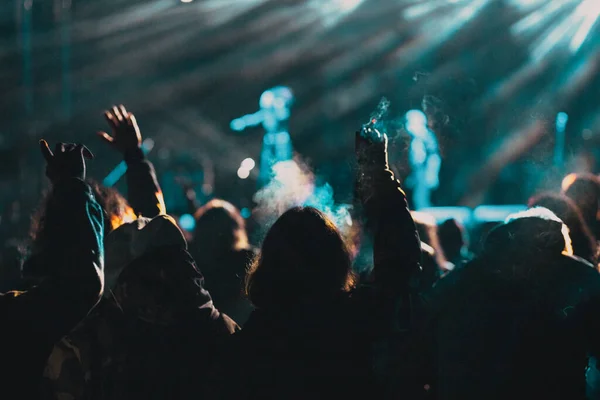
pixel 518 322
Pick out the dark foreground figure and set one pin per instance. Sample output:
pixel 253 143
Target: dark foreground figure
pixel 517 323
pixel 315 334
pixel 68 268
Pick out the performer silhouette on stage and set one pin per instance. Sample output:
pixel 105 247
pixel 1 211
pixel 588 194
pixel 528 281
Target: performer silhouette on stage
pixel 424 159
pixel 274 114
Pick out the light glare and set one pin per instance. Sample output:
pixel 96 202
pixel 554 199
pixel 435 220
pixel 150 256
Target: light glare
pixel 248 164
pixel 243 173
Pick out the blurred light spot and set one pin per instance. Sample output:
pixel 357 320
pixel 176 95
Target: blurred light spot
pixel 237 125
pixel 207 188
pixel 419 10
pixel 245 212
pixel 526 4
pixel 496 213
pixel 568 181
pixel 248 164
pixel 243 173
pixel 416 122
pixel 561 120
pixel 187 222
pixel 416 117
pixel 590 10
pixel 147 144
pixel 186 1
pixel 348 5
pixel 586 134
pixel 266 99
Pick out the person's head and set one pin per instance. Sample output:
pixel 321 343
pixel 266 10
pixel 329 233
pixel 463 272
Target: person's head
pixel 452 238
pixel 219 228
pixel 582 238
pixel 584 190
pixel 303 258
pixel 526 240
pixel 134 240
pixel 163 286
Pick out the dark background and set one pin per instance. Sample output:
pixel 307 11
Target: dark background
pixel 186 70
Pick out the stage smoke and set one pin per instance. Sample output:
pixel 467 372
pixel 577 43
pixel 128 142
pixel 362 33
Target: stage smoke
pixel 294 184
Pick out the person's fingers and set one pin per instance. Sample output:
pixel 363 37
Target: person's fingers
pixel 111 119
pixel 117 113
pixel 85 152
pixel 46 152
pixel 124 113
pixel 106 137
pixel 59 148
pixel 68 147
pixel 132 120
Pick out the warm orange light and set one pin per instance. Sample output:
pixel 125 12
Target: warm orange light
pixel 568 181
pixel 118 220
pixel 161 203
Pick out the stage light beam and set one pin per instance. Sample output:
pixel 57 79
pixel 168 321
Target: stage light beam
pixel 590 10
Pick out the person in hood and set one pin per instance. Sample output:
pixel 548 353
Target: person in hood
pixel 315 332
pixel 518 322
pixel 157 334
pixel 68 267
pixel 220 246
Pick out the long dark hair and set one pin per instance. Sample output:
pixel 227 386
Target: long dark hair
pixel 303 258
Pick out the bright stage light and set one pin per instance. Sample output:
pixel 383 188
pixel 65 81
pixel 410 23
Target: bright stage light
pixel 187 222
pixel 245 212
pixel 561 119
pixel 243 173
pixel 574 22
pixel 248 164
pixel 416 122
pixel 186 1
pixel 416 118
pixel 348 5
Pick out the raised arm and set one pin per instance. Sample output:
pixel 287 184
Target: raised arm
pixel 68 260
pixel 396 244
pixel 143 191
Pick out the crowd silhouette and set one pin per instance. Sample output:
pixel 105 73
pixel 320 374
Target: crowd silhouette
pixel 111 302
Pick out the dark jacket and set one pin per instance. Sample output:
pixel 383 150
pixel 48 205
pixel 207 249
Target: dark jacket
pixel 156 339
pixel 143 191
pixel 225 282
pixel 489 335
pixel 72 258
pixel 335 347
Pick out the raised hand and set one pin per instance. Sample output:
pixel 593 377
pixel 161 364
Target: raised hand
pixel 126 134
pixel 371 149
pixel 67 160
